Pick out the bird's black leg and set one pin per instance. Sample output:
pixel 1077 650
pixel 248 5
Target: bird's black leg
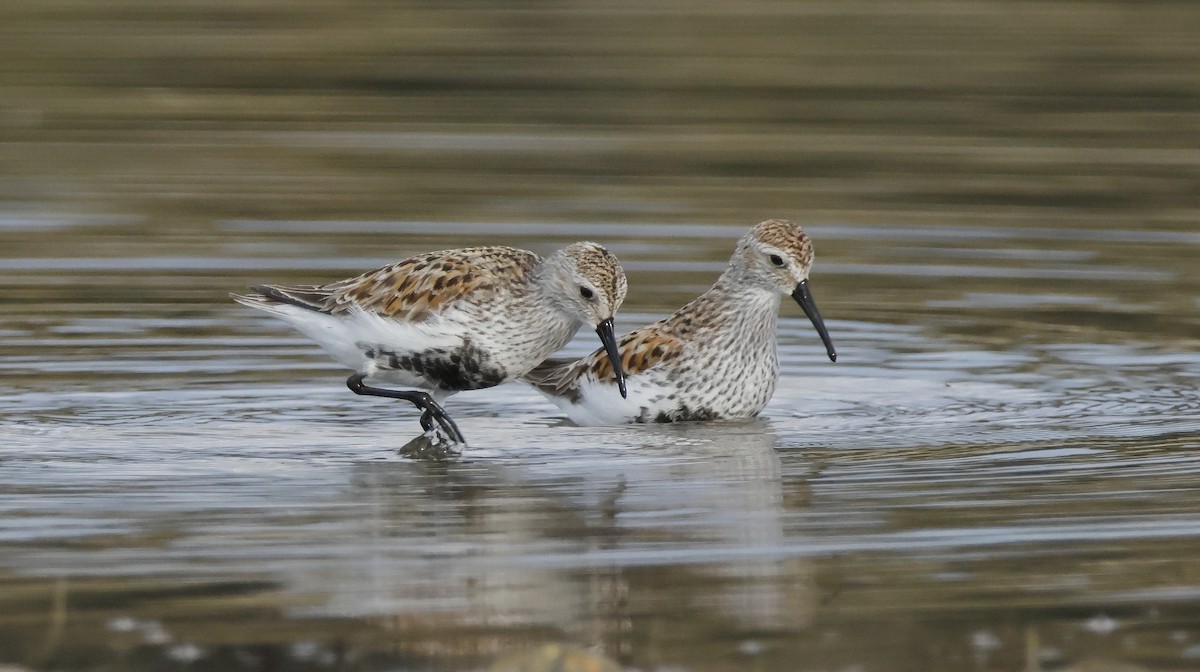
pixel 432 412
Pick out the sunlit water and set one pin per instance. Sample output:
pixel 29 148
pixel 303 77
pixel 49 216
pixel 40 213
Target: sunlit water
pixel 173 470
pixel 999 473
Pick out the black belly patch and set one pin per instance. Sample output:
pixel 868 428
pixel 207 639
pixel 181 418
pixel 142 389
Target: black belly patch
pixel 450 369
pixel 681 413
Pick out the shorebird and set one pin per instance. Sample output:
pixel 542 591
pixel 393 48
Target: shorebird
pixel 454 320
pixel 714 358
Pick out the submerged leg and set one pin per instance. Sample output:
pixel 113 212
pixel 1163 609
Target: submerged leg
pixel 432 412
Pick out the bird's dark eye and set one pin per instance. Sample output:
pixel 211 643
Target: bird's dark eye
pixel 586 293
pixel 777 260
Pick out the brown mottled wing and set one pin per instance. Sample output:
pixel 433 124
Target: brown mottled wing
pixel 641 351
pixel 415 288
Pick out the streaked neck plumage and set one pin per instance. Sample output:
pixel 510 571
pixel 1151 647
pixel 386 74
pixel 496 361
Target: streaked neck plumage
pixel 546 321
pixel 744 314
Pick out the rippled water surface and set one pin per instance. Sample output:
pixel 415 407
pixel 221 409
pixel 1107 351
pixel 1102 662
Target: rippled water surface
pixel 1001 472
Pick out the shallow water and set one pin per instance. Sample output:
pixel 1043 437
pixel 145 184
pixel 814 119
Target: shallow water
pixel 999 473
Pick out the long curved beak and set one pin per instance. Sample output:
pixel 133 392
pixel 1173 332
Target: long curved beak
pixel 805 300
pixel 609 339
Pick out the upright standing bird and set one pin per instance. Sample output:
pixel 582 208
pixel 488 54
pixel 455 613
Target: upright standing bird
pixel 714 358
pixel 454 320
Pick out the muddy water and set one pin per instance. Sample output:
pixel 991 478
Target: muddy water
pixel 999 473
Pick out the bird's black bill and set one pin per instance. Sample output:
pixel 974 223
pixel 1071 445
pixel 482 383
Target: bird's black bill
pixel 805 300
pixel 609 339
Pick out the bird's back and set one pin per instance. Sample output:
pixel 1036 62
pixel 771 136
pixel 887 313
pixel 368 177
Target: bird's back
pixel 411 289
pixel 715 357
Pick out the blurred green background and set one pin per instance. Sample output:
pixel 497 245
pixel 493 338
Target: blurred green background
pixel 1025 113
pixel 1010 134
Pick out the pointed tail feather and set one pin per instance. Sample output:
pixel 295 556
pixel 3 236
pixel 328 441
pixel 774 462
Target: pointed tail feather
pixel 553 376
pixel 316 299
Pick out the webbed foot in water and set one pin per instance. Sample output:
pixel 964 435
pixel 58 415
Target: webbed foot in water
pixel 432 445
